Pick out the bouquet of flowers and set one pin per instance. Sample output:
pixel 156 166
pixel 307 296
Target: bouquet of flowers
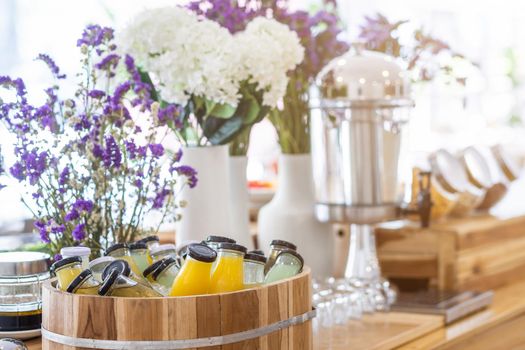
pixel 319 35
pixel 93 165
pixel 212 85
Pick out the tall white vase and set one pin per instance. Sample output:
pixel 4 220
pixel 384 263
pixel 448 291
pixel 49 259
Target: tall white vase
pixel 208 204
pixel 290 216
pixel 240 221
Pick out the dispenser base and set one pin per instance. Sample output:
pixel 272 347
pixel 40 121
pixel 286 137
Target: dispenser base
pixel 361 215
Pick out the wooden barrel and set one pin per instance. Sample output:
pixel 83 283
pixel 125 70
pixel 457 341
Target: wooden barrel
pixel 270 317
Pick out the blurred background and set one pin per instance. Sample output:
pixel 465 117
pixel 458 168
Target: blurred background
pixel 487 107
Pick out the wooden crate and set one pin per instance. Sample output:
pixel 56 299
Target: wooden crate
pixel 480 252
pixel 75 322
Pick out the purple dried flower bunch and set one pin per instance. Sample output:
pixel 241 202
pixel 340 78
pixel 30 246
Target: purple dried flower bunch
pixel 94 165
pixel 420 51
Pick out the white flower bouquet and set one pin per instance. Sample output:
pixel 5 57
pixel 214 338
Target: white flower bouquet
pixel 212 85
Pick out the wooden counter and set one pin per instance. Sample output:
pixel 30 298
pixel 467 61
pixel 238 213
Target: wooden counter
pixel 501 326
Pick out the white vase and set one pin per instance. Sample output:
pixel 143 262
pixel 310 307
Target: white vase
pixel 290 216
pixel 240 220
pixel 208 204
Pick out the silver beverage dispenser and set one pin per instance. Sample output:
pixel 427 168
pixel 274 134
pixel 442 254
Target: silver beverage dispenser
pixel 359 109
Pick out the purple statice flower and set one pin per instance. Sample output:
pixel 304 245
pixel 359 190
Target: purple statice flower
pixel 83 123
pixel 160 197
pixel 52 65
pixel 52 97
pixel 228 13
pixel 189 172
pixel 96 94
pixel 131 148
pixel 112 156
pixel 58 228
pixel 138 183
pixel 46 116
pixel 41 226
pixel 31 166
pixel 157 150
pixel 178 156
pixel 109 62
pixel 72 215
pixel 17 84
pixel 95 35
pixel 79 232
pixel 83 205
pixel 64 176
pixel 57 257
pixel 170 115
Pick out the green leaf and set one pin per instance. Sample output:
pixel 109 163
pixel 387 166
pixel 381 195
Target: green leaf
pixel 145 78
pixel 250 109
pixel 223 110
pixel 209 104
pixel 227 131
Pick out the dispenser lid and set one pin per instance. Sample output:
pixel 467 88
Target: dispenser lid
pixel 23 263
pixel 364 79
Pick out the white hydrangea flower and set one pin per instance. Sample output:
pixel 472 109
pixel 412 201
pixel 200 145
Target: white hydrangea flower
pixel 186 55
pixel 268 50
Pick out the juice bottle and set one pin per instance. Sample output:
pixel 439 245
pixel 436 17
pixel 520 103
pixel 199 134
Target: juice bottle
pixel 117 285
pixel 194 276
pixel 98 265
pixel 67 270
pixel 140 254
pixel 164 251
pixel 276 247
pixel 148 273
pixel 214 241
pixel 82 252
pixel 163 276
pixel 253 269
pixel 288 264
pixel 121 251
pixel 228 273
pixel 84 284
pixel 123 267
pixel 150 241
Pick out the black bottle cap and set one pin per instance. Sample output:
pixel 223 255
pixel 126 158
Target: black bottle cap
pixel 137 245
pixel 255 257
pixel 120 265
pixel 284 244
pixel 150 269
pixel 73 286
pixel 294 253
pixel 148 239
pixel 115 247
pixel 202 253
pixel 109 281
pixel 233 246
pixel 257 251
pixel 219 239
pixel 165 263
pixel 66 261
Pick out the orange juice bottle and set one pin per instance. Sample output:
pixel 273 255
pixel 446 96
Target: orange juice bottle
pixel 228 274
pixel 194 276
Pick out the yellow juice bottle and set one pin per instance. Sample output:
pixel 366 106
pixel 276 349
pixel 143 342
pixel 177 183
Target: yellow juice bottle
pixel 228 274
pixel 67 270
pixel 194 276
pixel 121 251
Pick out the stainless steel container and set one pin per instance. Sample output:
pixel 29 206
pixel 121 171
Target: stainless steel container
pixel 359 109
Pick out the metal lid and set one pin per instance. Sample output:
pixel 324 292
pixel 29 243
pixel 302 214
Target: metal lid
pixel 163 248
pixel 165 263
pixel 75 251
pixel 202 253
pixel 109 281
pixel 219 239
pixel 116 247
pixel 138 246
pixel 255 257
pixel 256 251
pixel 23 263
pixel 101 260
pixel 149 239
pixel 150 269
pixel 285 244
pixel 361 78
pixel 121 266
